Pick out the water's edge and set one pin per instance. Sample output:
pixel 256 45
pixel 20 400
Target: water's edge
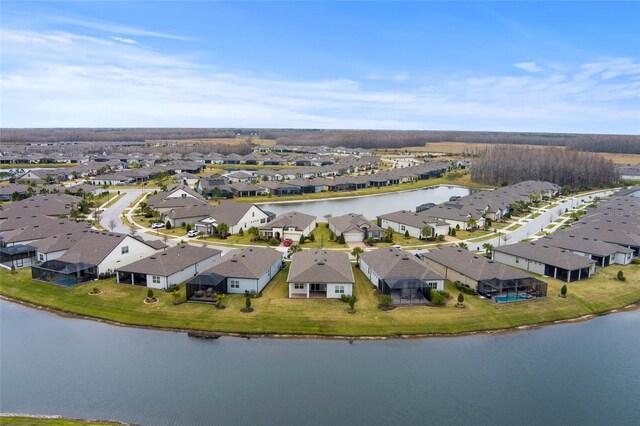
pixel 216 334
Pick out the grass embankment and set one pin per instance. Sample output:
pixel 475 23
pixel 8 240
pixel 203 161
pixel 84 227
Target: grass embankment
pixel 276 314
pixel 451 178
pixel 33 421
pixel 37 166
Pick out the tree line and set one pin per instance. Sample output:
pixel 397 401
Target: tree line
pixel 368 139
pixel 510 164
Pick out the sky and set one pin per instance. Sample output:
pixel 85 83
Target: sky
pixel 492 66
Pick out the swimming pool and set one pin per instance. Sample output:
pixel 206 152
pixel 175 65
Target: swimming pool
pixel 512 297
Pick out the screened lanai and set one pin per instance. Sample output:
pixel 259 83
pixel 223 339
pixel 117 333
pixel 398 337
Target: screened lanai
pixel 512 290
pixel 64 273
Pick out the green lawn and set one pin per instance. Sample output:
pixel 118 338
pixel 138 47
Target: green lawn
pixel 275 313
pixel 32 421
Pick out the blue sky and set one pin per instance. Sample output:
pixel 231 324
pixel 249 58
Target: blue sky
pixel 565 67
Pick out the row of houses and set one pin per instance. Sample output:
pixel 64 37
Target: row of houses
pixel 471 211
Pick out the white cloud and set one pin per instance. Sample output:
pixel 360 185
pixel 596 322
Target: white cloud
pixel 63 79
pixel 111 27
pixel 528 66
pixel 399 76
pixel 124 40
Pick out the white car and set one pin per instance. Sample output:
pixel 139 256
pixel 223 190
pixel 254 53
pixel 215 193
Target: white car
pixel 156 225
pixel 398 246
pixel 193 233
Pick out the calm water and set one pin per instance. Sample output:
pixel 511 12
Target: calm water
pixel 586 373
pixel 370 207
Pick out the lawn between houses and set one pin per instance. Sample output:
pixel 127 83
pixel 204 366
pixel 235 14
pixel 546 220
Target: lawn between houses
pixel 276 314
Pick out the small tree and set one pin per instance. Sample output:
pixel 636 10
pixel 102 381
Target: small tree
pixel 487 247
pixel 183 224
pixel 189 228
pixel 220 300
pixel 621 276
pixel 388 234
pixel 341 239
pixel 406 233
pixel 177 296
pixel 13 270
pixel 149 294
pixel 352 302
pixel 357 251
pixel 302 239
pixel 247 302
pixel 112 225
pixel 312 238
pixel 426 231
pixel 386 300
pixel 254 232
pixel 563 291
pixel 460 299
pixel 241 232
pixel 453 232
pixel 223 228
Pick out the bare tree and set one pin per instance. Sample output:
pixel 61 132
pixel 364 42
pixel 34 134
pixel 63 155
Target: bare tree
pixel 112 225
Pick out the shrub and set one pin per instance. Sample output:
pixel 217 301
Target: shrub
pixel 302 239
pixel 149 294
pixel 167 225
pixel 176 297
pixel 189 228
pixel 341 239
pixel 173 287
pixel 635 261
pixel 437 298
pixel 460 298
pixel 274 242
pixel 563 291
pixel 440 237
pixel 220 300
pixel 183 224
pixel 95 290
pixel 344 298
pixel 241 232
pixel 352 302
pixel 247 302
pixel 453 232
pixel 406 234
pixel 386 300
pixel 621 276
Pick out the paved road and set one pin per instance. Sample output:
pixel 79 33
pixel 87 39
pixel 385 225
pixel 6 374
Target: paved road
pixel 533 226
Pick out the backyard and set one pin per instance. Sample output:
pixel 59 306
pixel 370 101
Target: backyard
pixel 276 314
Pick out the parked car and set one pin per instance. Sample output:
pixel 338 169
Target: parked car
pixel 156 225
pixel 193 233
pixel 287 242
pixel 398 246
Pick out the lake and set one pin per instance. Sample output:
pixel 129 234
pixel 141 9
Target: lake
pixel 580 373
pixel 370 206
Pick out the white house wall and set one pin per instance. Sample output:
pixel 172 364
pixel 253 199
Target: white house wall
pixel 115 259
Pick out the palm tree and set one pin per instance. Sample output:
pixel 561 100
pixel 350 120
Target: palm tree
pixel 222 229
pixel 487 247
pixel 472 223
pixel 357 251
pixel 463 245
pixel 388 234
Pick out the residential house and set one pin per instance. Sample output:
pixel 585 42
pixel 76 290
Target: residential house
pixel 545 259
pixel 407 221
pixel 170 267
pixel 354 227
pixel 291 225
pixel 249 269
pixel 400 274
pixel 320 274
pixel 494 280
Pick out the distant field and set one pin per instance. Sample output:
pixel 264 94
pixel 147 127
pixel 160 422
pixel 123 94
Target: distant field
pixel 218 141
pixel 458 148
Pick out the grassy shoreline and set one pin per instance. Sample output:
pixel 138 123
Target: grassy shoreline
pixel 276 315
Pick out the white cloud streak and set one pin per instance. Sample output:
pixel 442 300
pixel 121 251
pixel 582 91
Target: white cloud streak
pixel 62 79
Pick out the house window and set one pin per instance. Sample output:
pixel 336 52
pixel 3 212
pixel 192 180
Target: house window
pixel 155 279
pixel 298 286
pixel 517 260
pixel 124 250
pixel 263 220
pixel 234 283
pixel 432 284
pixel 253 214
pixel 402 227
pixel 41 256
pixel 339 289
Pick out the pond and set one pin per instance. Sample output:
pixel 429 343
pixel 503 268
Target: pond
pixel 369 206
pixel 579 373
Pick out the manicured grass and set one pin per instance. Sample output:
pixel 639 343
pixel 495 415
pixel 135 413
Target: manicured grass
pixel 37 166
pixel 276 314
pixel 114 200
pixel 32 421
pixel 322 235
pixel 463 235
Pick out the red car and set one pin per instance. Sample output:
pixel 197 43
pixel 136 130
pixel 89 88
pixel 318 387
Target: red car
pixel 287 242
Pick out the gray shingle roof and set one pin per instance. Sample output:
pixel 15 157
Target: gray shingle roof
pixel 320 266
pixel 389 263
pixel 297 220
pixel 547 254
pixel 352 222
pixel 250 262
pixel 472 265
pixel 170 261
